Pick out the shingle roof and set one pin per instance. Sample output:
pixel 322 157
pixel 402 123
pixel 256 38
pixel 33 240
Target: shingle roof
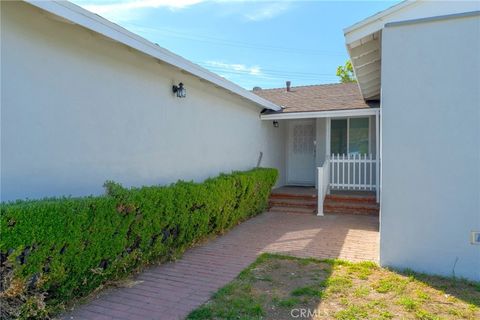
pixel 325 97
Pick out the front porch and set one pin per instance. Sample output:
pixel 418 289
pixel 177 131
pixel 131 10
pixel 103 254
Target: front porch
pixel 329 152
pixel 332 140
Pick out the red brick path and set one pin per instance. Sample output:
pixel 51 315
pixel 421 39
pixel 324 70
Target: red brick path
pixel 172 290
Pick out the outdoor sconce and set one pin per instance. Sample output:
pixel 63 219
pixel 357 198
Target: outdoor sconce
pixel 180 90
pixel 275 123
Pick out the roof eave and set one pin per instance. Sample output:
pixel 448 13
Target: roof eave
pixel 319 114
pixel 372 21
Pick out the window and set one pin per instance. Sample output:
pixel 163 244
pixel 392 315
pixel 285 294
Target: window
pixel 358 136
pixel 339 136
pixel 349 136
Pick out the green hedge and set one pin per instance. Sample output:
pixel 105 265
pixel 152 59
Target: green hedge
pixel 55 250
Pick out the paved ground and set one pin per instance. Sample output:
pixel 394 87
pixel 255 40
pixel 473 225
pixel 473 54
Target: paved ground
pixel 172 290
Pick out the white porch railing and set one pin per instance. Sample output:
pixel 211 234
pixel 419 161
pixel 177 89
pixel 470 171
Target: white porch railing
pixel 323 173
pixel 346 172
pixel 353 172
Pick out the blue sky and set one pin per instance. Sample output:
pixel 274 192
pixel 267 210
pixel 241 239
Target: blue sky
pixel 252 43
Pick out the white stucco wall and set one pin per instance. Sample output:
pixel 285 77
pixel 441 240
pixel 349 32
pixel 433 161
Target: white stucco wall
pixel 78 109
pixel 431 147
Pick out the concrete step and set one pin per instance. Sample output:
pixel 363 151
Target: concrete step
pixel 289 202
pixel 367 198
pixel 292 196
pixel 293 210
pixel 348 207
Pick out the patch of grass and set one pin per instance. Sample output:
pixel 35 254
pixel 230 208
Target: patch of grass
pixel 362 291
pixel 457 313
pixel 391 283
pixel 383 315
pixel 362 270
pixel 204 312
pixel 422 295
pixel 307 291
pixel 236 299
pixel 338 289
pixel 289 302
pixel 408 303
pixel 336 284
pixel 264 278
pixel 353 312
pixel 424 315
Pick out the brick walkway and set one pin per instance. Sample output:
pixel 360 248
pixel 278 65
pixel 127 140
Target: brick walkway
pixel 172 290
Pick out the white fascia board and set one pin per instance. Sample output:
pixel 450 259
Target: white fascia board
pixel 320 114
pixel 406 10
pixel 373 23
pixel 89 20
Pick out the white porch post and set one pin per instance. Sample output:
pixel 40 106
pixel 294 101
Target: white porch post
pixel 320 191
pixel 327 137
pixel 327 149
pixel 377 155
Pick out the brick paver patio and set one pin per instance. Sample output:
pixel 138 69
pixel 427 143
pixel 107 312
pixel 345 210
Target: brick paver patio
pixel 172 290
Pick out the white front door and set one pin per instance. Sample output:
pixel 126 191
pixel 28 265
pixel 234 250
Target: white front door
pixel 301 152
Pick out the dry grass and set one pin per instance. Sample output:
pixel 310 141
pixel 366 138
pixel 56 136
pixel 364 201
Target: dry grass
pixel 279 287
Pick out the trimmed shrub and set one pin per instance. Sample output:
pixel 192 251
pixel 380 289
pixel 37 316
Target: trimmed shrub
pixel 55 250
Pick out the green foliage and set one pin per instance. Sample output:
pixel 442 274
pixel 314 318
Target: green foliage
pixel 409 303
pixel 353 312
pixel 56 250
pixel 311 291
pixel 289 302
pixel 234 301
pixel 345 73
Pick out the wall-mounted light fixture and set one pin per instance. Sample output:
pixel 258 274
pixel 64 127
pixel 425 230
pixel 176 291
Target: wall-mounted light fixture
pixel 180 90
pixel 275 123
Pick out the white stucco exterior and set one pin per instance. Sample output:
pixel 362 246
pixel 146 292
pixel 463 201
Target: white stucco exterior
pixel 430 199
pixel 78 109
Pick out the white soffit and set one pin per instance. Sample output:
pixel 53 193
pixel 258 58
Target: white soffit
pixel 363 39
pixel 77 15
pixel 365 55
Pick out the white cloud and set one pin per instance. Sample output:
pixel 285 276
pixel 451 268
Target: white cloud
pixel 140 4
pixel 127 10
pixel 243 75
pixel 236 67
pixel 267 11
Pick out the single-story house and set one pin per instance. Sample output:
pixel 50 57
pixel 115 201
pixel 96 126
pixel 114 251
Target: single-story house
pixel 88 101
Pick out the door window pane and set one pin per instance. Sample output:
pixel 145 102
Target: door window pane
pixel 303 137
pixel 358 136
pixel 338 141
